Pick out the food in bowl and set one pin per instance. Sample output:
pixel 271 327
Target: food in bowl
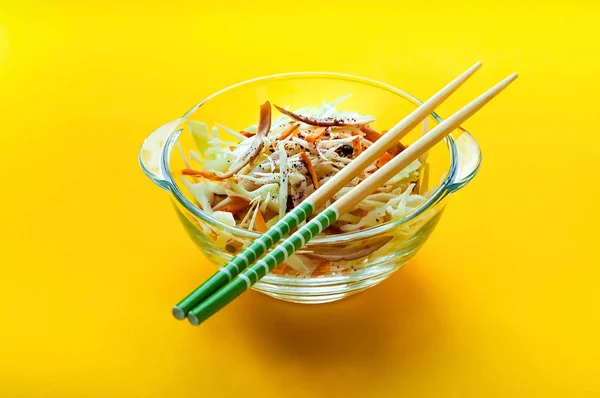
pixel 449 167
pixel 254 182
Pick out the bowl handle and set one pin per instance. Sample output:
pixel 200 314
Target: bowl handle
pixel 151 154
pixel 469 160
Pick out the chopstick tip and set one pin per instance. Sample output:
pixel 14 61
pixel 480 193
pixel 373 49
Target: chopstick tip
pixel 178 313
pixel 193 319
pixel 510 78
pixel 474 68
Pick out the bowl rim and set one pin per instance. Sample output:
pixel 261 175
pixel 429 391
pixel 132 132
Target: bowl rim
pixel 441 191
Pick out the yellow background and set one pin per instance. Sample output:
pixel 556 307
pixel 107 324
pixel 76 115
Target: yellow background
pixel 502 301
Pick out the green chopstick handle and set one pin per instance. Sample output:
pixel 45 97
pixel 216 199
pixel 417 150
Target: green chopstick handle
pixel 253 252
pixel 250 276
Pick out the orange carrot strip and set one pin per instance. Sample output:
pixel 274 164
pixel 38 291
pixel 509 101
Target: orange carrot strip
pixel 204 174
pixel 246 133
pixel 373 136
pixel 200 173
pixel 316 134
pixel 235 205
pixel 370 133
pixel 321 269
pixel 356 146
pixel 363 212
pixel 396 149
pixel 310 168
pixel 288 132
pixel 259 223
pixel 386 157
pixel 284 135
pixel 277 270
pixel 282 269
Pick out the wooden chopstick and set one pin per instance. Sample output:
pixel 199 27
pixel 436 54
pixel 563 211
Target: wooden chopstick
pixel 346 203
pixel 317 199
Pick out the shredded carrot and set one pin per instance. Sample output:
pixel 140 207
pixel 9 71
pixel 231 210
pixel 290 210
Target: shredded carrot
pixel 246 133
pixel 323 268
pixel 316 134
pixel 310 168
pixel 235 205
pixel 386 157
pixel 205 174
pixel 396 149
pixel 370 134
pixel 277 270
pixel 357 146
pixel 200 173
pixel 260 224
pixel 288 132
pixel 363 212
pixel 282 269
pixel 284 135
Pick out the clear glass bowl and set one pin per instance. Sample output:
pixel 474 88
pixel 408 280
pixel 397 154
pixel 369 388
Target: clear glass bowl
pixel 451 165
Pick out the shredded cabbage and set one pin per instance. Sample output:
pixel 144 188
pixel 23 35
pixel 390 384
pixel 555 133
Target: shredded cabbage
pixel 283 180
pixel 277 178
pixel 200 134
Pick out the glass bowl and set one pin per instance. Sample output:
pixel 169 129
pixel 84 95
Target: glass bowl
pixel 450 165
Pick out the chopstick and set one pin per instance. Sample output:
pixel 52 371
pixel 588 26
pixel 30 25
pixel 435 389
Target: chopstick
pixel 251 275
pixel 283 227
